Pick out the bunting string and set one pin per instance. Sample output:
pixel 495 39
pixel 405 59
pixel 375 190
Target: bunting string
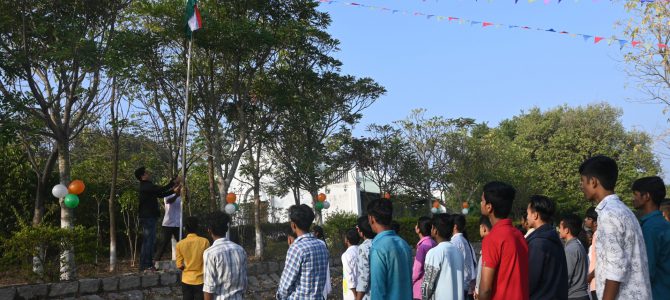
pixel 595 39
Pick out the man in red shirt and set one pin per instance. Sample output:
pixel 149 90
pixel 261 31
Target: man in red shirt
pixel 504 250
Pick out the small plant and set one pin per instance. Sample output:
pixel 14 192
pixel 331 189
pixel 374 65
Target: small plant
pixel 336 227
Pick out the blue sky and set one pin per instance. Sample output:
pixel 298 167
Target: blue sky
pixel 490 74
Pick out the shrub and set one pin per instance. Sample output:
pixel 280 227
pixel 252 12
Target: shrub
pixel 336 227
pixel 407 231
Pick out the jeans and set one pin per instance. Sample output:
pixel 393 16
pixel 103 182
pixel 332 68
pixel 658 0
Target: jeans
pixel 166 240
pixel 148 241
pixel 191 292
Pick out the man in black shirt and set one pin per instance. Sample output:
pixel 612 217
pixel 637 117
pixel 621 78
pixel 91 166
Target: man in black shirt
pixel 149 213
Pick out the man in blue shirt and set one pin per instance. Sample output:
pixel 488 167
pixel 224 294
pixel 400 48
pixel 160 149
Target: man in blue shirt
pixel 648 193
pixel 390 256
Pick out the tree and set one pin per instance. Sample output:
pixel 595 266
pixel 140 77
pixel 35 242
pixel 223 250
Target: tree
pixel 52 63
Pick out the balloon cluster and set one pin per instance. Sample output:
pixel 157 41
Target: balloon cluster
pixel 321 202
pixel 69 193
pixel 232 207
pixel 436 209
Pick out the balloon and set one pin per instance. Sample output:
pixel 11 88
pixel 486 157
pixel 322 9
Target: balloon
pixel 318 205
pixel 237 206
pixel 465 211
pixel 231 197
pixel 436 204
pixel 466 205
pixel 59 191
pixel 71 200
pixel 434 210
pixel 229 208
pixel 321 197
pixel 326 205
pixel 387 196
pixel 76 187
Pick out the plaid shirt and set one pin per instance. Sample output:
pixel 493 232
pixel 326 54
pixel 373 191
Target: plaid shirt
pixel 304 275
pixel 225 273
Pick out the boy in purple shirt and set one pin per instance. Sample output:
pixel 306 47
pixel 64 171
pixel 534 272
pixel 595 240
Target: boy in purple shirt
pixel 425 243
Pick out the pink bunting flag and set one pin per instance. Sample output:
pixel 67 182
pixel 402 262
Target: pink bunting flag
pixel 597 39
pixel 634 43
pixel 662 46
pixel 484 24
pixel 452 18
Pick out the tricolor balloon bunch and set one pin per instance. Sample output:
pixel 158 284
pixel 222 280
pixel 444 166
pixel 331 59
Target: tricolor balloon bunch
pixel 321 202
pixel 69 193
pixel 437 208
pixel 231 207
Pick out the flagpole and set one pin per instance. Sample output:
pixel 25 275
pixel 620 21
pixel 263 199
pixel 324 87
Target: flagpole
pixel 183 146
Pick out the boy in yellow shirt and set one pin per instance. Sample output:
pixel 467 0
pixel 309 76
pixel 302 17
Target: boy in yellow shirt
pixel 189 260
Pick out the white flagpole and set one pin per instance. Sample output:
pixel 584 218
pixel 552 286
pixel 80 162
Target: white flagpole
pixel 183 147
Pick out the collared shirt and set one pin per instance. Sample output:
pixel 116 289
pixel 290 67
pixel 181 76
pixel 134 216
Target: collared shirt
pixel 425 243
pixel 172 216
pixel 225 270
pixel 349 259
pixel 469 268
pixel 304 275
pixel 656 231
pixel 444 273
pixel 190 252
pixel 592 260
pixel 390 267
pixel 621 254
pixel 530 230
pixel 575 256
pixel 505 250
pixel 363 269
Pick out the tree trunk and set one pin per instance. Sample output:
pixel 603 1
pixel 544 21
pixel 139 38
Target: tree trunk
pixel 67 263
pixel 257 202
pixel 40 196
pixel 210 175
pixel 115 175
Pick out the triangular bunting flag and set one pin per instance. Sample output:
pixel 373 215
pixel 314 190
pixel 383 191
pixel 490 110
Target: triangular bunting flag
pixel 662 46
pixel 622 43
pixel 452 18
pixel 429 16
pixel 597 39
pixel 475 22
pixel 634 43
pixel 586 37
pixel 486 24
pixel 512 26
pixel 551 30
pixel 647 46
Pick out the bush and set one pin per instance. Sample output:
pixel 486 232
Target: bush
pixel 407 231
pixel 336 227
pixel 472 227
pixel 45 243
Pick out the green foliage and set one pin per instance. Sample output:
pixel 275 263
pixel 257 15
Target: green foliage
pixel 472 227
pixel 336 227
pixel 407 231
pixel 45 242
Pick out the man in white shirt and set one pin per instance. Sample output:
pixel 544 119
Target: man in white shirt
pixel 443 276
pixel 621 270
pixel 461 242
pixel 225 263
pixel 349 259
pixel 171 222
pixel 363 261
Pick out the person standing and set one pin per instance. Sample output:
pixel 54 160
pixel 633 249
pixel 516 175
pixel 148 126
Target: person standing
pixel 462 243
pixel 575 254
pixel 148 214
pixel 422 229
pixel 621 270
pixel 304 275
pixel 225 263
pixel 320 234
pixel 171 222
pixel 504 250
pixel 548 273
pixel 349 259
pixel 189 252
pixel 363 261
pixel 484 229
pixel 591 222
pixel 443 277
pixel 390 256
pixel 648 192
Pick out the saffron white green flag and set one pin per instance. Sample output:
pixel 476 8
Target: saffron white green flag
pixel 193 15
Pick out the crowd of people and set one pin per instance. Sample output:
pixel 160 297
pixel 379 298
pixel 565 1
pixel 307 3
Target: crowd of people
pixel 610 253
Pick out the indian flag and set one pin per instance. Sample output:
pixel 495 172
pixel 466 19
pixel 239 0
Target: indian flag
pixel 193 15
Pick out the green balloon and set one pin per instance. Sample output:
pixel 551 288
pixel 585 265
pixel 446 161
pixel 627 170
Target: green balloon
pixel 318 205
pixel 71 200
pixel 237 206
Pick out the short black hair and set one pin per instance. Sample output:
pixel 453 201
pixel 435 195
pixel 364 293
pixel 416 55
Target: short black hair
pixel 218 222
pixel 318 232
pixel 459 222
pixel 381 210
pixel 191 224
pixel 301 215
pixel 292 234
pixel 573 223
pixel 484 220
pixel 444 224
pixel 424 225
pixel 653 185
pixel 544 206
pixel 364 227
pixel 139 172
pixel 501 196
pixel 591 213
pixel 603 168
pixel 353 237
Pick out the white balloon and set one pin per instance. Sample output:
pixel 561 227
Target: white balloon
pixel 465 211
pixel 230 209
pixel 59 191
pixel 326 204
pixel 434 210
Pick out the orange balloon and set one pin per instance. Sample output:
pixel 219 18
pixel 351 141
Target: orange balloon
pixel 76 187
pixel 387 195
pixel 321 197
pixel 466 205
pixel 231 197
pixel 436 204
